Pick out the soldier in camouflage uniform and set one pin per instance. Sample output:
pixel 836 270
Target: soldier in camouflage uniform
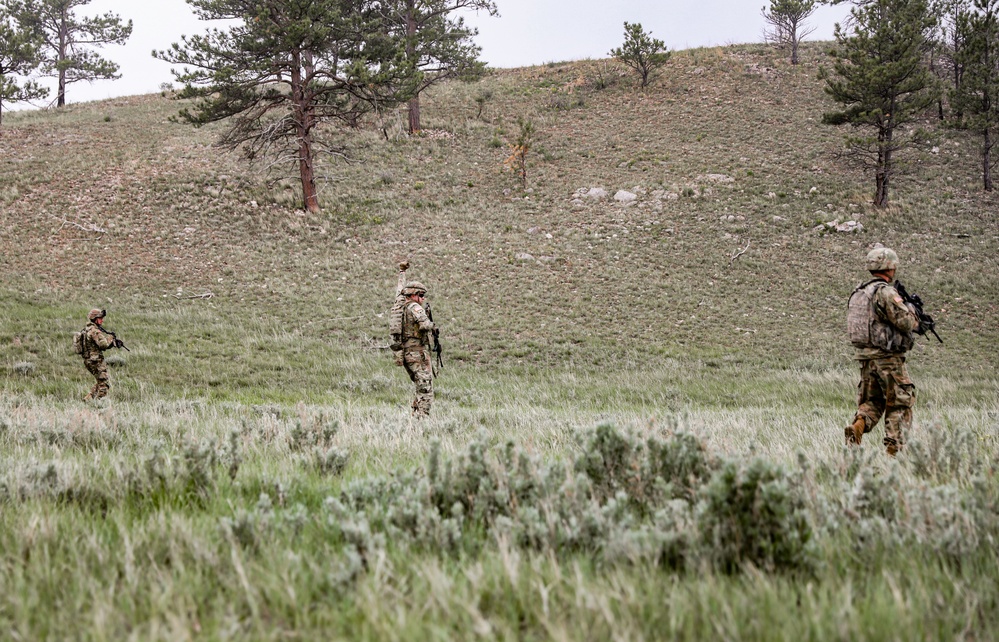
pixel 95 341
pixel 411 344
pixel 880 325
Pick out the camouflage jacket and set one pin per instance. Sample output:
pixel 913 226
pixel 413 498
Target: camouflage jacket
pixel 95 341
pixel 416 326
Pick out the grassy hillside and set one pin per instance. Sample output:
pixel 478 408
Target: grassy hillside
pixel 254 473
pixel 638 284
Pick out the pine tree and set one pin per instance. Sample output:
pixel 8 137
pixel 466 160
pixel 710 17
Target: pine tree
pixel 978 95
pixel 948 42
pixel 881 81
pixel 19 47
pixel 786 24
pixel 437 43
pixel 70 42
pixel 283 70
pixel 641 52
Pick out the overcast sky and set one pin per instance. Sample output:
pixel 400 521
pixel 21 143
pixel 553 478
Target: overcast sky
pixel 528 32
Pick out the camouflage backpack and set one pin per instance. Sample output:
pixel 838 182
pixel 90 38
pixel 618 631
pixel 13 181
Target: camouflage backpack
pixel 396 315
pixel 866 329
pixel 78 341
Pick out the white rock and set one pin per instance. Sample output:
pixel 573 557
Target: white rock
pixel 523 256
pixel 850 227
pixel 716 178
pixel 624 196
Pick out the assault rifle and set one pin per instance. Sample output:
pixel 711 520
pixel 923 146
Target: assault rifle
pixel 118 343
pixel 437 335
pixel 926 322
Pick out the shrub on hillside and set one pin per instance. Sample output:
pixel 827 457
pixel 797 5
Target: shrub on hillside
pixel 650 472
pixel 752 514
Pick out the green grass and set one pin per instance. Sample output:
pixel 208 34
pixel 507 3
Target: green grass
pixel 211 495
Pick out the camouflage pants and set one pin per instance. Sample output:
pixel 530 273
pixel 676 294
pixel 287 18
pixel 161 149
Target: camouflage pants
pixel 886 389
pixel 417 364
pixel 100 371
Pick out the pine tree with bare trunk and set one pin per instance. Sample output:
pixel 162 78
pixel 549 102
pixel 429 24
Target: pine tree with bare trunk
pixel 881 81
pixel 948 43
pixel 786 26
pixel 437 42
pixel 281 70
pixel 70 41
pixel 978 95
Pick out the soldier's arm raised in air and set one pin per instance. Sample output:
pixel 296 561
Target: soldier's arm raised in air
pixel 403 266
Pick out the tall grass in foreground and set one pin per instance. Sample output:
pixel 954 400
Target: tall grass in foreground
pixel 638 434
pixel 180 519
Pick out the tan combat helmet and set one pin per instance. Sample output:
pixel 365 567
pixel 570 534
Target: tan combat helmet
pixel 96 314
pixel 882 259
pixel 414 287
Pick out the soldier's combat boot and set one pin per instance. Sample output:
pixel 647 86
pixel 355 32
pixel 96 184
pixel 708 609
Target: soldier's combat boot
pixel 855 431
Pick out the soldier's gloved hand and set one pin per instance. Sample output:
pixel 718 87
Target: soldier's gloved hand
pixel 403 265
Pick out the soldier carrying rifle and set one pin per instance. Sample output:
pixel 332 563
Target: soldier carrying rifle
pixel 90 343
pixel 412 328
pixel 880 323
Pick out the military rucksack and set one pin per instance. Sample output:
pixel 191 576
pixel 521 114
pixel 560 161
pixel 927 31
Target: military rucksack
pixel 866 328
pixel 396 315
pixel 78 341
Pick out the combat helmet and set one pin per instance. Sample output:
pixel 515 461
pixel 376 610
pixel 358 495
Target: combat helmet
pixel 414 287
pixel 96 314
pixel 881 259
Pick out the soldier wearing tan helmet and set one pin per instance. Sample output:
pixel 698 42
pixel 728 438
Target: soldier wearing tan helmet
pixel 411 330
pixel 93 342
pixel 880 325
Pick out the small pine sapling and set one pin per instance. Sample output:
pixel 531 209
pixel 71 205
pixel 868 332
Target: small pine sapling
pixel 641 52
pixel 517 161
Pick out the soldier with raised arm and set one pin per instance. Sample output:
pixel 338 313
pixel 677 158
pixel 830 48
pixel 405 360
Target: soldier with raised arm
pixel 411 329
